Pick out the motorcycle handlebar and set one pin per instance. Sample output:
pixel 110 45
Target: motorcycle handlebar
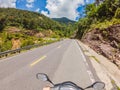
pixel 68 85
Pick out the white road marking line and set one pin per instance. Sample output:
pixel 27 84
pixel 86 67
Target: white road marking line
pixel 91 76
pixel 84 59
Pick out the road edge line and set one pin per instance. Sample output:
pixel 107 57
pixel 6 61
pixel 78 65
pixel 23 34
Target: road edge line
pixel 91 76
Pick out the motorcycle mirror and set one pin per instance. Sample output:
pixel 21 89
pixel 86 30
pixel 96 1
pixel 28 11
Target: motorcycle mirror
pixel 99 85
pixel 42 76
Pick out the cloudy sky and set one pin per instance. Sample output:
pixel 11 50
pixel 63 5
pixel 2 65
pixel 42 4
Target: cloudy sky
pixel 51 8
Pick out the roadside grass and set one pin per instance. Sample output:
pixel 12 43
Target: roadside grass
pixel 95 58
pixel 115 85
pixel 85 50
pixel 118 88
pixel 92 56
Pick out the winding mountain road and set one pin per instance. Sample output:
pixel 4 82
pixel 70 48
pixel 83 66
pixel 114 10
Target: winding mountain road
pixel 62 61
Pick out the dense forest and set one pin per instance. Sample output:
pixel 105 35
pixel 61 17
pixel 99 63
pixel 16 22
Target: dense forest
pixel 100 15
pixel 29 28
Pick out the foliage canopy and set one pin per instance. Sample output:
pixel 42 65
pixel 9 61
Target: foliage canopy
pixel 107 11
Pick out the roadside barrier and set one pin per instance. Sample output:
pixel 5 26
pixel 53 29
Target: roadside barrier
pixel 10 52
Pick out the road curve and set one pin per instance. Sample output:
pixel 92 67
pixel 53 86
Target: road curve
pixel 62 61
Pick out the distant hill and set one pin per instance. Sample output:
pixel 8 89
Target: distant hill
pixel 63 20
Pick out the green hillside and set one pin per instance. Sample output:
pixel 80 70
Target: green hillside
pixel 26 19
pixel 19 28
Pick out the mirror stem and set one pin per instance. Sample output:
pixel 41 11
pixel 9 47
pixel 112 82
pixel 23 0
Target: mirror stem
pixel 51 82
pixel 89 87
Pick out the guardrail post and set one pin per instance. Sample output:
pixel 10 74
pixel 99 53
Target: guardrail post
pixel 19 51
pixel 6 55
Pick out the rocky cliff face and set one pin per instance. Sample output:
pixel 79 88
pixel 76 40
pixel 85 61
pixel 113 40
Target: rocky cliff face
pixel 105 42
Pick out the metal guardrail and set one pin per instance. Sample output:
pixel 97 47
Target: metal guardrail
pixel 9 52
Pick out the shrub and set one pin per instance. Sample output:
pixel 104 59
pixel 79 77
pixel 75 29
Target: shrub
pixel 115 21
pixel 7 45
pixel 27 42
pixel 117 13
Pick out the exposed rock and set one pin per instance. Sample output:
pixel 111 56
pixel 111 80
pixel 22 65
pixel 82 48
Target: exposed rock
pixel 114 44
pixel 16 44
pixel 30 32
pixel 48 33
pixel 105 42
pixel 13 30
pixel 39 35
pixel 107 50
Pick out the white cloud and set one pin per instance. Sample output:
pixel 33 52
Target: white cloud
pixel 30 1
pixel 87 1
pixel 37 10
pixel 29 5
pixel 8 3
pixel 63 8
pixel 45 13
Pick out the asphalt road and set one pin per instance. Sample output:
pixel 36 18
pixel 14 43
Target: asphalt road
pixel 62 61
